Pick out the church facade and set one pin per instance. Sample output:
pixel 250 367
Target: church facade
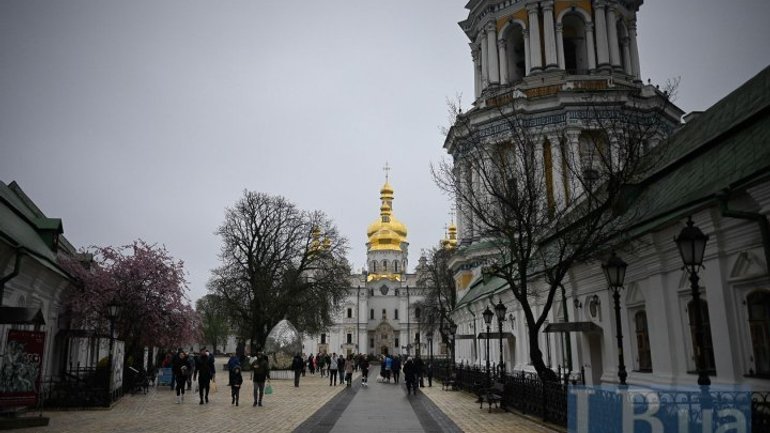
pixel 551 59
pixel 378 316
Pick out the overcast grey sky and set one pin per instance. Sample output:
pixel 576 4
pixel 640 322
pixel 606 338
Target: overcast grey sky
pixel 145 118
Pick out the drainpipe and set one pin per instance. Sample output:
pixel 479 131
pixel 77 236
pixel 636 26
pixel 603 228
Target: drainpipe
pixel 475 335
pixel 20 251
pixel 764 226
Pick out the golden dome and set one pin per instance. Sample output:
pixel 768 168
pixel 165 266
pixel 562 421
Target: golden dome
pixel 386 233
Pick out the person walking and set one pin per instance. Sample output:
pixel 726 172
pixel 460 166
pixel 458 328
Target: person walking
pixel 321 360
pixel 190 369
pixel 298 365
pixel 231 364
pixel 396 366
pixel 333 370
pixel 236 380
pixel 260 373
pixel 180 370
pixel 311 364
pixel 429 373
pixel 388 367
pixel 419 367
pixel 410 376
pixel 349 371
pixel 341 368
pixel 206 371
pixel 364 364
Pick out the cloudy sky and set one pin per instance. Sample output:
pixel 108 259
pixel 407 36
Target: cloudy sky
pixel 145 118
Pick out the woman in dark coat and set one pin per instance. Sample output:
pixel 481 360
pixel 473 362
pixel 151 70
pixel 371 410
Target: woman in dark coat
pixel 204 368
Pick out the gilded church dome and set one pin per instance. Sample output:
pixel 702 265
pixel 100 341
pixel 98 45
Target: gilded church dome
pixel 386 233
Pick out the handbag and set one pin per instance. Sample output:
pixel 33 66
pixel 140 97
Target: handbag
pixel 213 389
pixel 268 389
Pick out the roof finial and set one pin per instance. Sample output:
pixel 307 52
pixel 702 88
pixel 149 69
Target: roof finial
pixel 452 215
pixel 387 171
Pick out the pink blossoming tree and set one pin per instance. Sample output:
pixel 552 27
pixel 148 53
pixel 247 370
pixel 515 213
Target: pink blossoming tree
pixel 149 286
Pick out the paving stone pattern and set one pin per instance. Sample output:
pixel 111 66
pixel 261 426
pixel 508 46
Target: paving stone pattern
pixel 314 407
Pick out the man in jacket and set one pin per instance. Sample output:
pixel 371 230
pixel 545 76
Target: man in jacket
pixel 204 368
pixel 260 373
pixel 297 364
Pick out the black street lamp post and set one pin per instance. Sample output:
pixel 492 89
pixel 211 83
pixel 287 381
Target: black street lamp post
pixel 430 348
pixel 615 272
pixel 500 310
pixel 692 245
pixel 112 314
pixel 488 315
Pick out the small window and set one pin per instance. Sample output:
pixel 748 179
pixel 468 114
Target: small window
pixel 350 338
pixel 323 338
pixel 384 314
pixel 350 313
pixel 395 267
pixel 384 336
pixel 371 314
pixel 396 342
pixel 759 326
pixel 374 267
pixel 384 266
pixel 417 337
pixel 643 342
pixel 396 314
pixel 417 313
pixel 371 343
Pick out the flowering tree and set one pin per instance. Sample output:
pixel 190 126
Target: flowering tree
pixel 149 286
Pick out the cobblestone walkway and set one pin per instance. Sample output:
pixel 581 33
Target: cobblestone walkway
pixel 314 407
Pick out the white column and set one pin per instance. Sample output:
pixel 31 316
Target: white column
pixel 476 70
pixel 549 41
pixel 503 57
pixel 572 147
pixel 494 67
pixel 634 50
pixel 590 46
pixel 602 53
pixel 527 62
pixel 535 56
pixel 612 31
pixel 484 62
pixel 560 45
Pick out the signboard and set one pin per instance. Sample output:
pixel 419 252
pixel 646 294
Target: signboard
pixel 20 368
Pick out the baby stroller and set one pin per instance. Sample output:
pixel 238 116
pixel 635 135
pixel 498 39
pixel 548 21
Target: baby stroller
pixel 140 381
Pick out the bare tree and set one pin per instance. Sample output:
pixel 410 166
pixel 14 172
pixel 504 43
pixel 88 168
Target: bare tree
pixel 435 277
pixel 279 262
pixel 543 198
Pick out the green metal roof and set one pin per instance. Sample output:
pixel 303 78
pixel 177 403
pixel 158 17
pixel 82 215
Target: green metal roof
pixel 481 289
pixel 20 225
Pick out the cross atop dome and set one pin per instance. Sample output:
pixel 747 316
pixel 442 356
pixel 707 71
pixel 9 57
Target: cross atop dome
pixel 386 169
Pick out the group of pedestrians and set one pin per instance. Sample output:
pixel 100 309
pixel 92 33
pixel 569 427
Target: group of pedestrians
pixel 415 371
pixel 187 368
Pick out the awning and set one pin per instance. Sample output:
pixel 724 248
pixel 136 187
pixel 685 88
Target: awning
pixel 496 335
pixel 588 327
pixel 464 337
pixel 21 316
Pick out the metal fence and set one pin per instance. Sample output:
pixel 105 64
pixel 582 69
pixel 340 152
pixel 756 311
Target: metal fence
pixel 77 387
pixel 526 393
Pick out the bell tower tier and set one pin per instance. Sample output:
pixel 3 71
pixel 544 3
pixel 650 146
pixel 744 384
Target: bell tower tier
pixel 387 245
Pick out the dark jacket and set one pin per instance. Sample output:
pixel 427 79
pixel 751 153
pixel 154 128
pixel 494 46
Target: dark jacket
pixel 260 370
pixel 297 364
pixel 236 378
pixel 177 366
pixel 204 368
pixel 418 366
pixel 396 366
pixel 410 371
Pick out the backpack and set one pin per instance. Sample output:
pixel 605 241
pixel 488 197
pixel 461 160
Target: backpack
pixel 184 370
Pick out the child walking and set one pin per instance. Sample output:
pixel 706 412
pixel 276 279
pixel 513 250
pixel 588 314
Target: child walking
pixel 236 380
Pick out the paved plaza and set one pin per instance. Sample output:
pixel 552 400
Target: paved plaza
pixel 313 407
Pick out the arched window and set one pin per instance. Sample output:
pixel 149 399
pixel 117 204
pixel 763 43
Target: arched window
pixel 384 266
pixel 395 266
pixel 759 325
pixel 708 345
pixel 417 313
pixel 643 353
pixel 514 53
pixel 371 314
pixel 575 47
pixel 374 266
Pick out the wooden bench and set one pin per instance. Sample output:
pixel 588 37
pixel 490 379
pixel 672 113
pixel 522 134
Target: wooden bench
pixel 491 395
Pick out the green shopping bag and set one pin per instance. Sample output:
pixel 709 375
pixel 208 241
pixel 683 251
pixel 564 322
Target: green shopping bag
pixel 268 389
